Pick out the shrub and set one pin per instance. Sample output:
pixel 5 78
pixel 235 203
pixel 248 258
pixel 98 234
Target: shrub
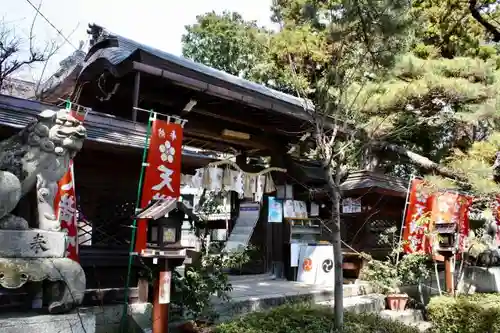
pixel 473 313
pixel 309 318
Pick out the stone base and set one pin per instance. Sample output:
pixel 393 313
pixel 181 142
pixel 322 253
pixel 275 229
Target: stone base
pixel 65 323
pixel 32 243
pixel 98 319
pixel 480 279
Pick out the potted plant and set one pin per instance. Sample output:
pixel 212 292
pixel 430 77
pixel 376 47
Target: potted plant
pixel 397 301
pixel 384 277
pixel 390 275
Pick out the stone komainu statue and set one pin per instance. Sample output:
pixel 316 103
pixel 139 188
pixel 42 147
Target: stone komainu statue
pixel 36 158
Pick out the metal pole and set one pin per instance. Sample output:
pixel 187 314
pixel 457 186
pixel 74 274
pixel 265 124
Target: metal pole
pixel 404 215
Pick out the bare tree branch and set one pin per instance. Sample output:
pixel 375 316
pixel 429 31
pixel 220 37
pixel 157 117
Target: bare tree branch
pixel 474 10
pixel 12 57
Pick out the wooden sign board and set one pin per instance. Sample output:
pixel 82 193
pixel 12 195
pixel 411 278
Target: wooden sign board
pixel 165 281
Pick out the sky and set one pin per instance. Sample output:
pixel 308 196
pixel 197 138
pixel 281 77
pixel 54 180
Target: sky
pixel 158 23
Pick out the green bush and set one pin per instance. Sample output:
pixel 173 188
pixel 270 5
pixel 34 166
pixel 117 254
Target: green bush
pixel 308 318
pixel 474 313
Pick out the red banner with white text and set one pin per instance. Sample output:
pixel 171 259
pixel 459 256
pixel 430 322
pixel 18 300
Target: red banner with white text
pixel 65 206
pixel 66 212
pixel 464 226
pixel 427 210
pixel 414 232
pixel 163 171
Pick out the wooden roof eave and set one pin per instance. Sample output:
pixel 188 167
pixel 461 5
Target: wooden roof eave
pixel 101 128
pixel 364 180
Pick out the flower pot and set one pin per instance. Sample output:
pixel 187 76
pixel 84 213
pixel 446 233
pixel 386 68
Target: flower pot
pixel 397 302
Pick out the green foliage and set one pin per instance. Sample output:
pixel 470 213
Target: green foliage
pixel 194 290
pixel 389 275
pixel 298 318
pixel 226 42
pixel 396 270
pixel 476 313
pixel 207 278
pixel 448 27
pixel 476 163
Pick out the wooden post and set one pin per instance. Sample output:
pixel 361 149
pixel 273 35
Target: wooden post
pixel 135 102
pixel 160 311
pixel 448 273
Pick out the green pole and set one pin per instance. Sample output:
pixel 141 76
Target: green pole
pixel 68 104
pixel 134 224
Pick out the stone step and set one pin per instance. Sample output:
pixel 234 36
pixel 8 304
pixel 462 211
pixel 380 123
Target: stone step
pixel 256 296
pixel 373 303
pixel 410 317
pixel 251 278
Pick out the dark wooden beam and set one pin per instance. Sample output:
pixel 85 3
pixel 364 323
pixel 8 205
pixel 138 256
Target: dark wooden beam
pixel 242 117
pixel 216 138
pixel 211 129
pixel 249 99
pixel 204 117
pixel 135 102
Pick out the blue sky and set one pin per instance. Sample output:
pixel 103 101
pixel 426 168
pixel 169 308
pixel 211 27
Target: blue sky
pixel 159 23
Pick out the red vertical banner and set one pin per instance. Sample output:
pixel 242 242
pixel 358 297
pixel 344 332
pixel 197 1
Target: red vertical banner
pixel 66 212
pixel 162 178
pixel 65 206
pixel 449 208
pixel 464 224
pixel 496 213
pixel 416 226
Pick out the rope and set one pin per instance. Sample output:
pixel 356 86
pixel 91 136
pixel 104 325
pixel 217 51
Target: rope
pixel 237 167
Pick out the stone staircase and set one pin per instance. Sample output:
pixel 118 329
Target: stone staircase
pixel 243 227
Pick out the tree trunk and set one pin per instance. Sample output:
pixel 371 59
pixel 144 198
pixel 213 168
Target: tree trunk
pixel 337 249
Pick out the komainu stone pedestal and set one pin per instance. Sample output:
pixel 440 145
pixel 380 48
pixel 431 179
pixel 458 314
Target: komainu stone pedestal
pixel 65 323
pixel 32 243
pixel 33 161
pixel 38 256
